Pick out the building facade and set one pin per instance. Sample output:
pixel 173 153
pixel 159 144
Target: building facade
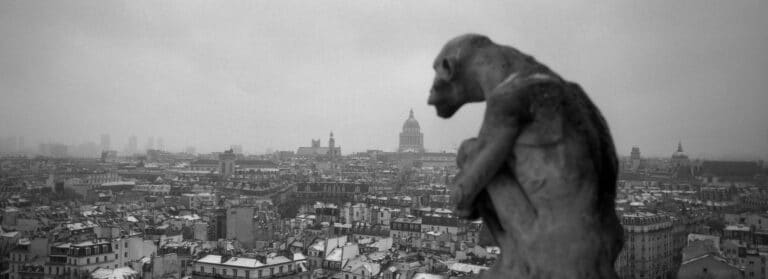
pixel 406 231
pixel 217 266
pixel 648 249
pixel 227 166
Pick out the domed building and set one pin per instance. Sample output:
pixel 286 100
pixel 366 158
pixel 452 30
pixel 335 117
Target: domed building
pixel 411 138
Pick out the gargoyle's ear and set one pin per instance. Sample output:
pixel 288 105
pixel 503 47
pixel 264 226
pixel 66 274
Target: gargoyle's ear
pixel 448 66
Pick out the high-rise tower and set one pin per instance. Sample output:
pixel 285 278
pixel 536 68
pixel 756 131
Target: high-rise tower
pixel 333 151
pixel 105 142
pixel 133 146
pixel 227 163
pixel 679 158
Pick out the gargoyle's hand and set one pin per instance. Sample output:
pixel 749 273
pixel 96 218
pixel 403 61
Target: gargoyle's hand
pixel 462 198
pixel 480 161
pixel 467 149
pixel 465 194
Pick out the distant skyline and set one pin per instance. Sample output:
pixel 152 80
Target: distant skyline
pixel 324 142
pixel 274 75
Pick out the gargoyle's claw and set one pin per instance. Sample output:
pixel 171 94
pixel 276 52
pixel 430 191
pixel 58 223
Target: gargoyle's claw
pixel 465 204
pixel 466 213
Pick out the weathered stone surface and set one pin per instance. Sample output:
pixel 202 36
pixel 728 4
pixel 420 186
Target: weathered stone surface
pixel 542 172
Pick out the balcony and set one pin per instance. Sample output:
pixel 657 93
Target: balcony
pixel 198 274
pixel 59 252
pixel 31 269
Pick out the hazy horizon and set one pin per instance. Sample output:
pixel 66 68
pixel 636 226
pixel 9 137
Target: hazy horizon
pixel 274 75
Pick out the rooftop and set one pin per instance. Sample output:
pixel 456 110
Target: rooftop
pixel 90 242
pixel 467 268
pixel 234 261
pixel 109 273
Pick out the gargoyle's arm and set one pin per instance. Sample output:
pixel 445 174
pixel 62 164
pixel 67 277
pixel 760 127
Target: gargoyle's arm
pixel 504 115
pixel 507 111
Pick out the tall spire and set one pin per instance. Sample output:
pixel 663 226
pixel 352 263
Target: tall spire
pixel 680 146
pixel 411 114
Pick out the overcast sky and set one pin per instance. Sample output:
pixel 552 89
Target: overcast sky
pixel 275 74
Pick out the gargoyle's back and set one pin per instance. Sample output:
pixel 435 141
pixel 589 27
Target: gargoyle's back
pixel 565 161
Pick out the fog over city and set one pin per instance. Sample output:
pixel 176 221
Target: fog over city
pixel 272 75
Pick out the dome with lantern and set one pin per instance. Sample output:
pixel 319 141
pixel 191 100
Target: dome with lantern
pixel 411 124
pixel 411 138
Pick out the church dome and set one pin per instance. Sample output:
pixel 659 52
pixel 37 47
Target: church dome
pixel 411 138
pixel 411 123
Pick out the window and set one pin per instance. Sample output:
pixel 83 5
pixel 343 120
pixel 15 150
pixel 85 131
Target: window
pixel 87 261
pixel 202 269
pixel 126 254
pixel 105 258
pixel 281 269
pixel 126 244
